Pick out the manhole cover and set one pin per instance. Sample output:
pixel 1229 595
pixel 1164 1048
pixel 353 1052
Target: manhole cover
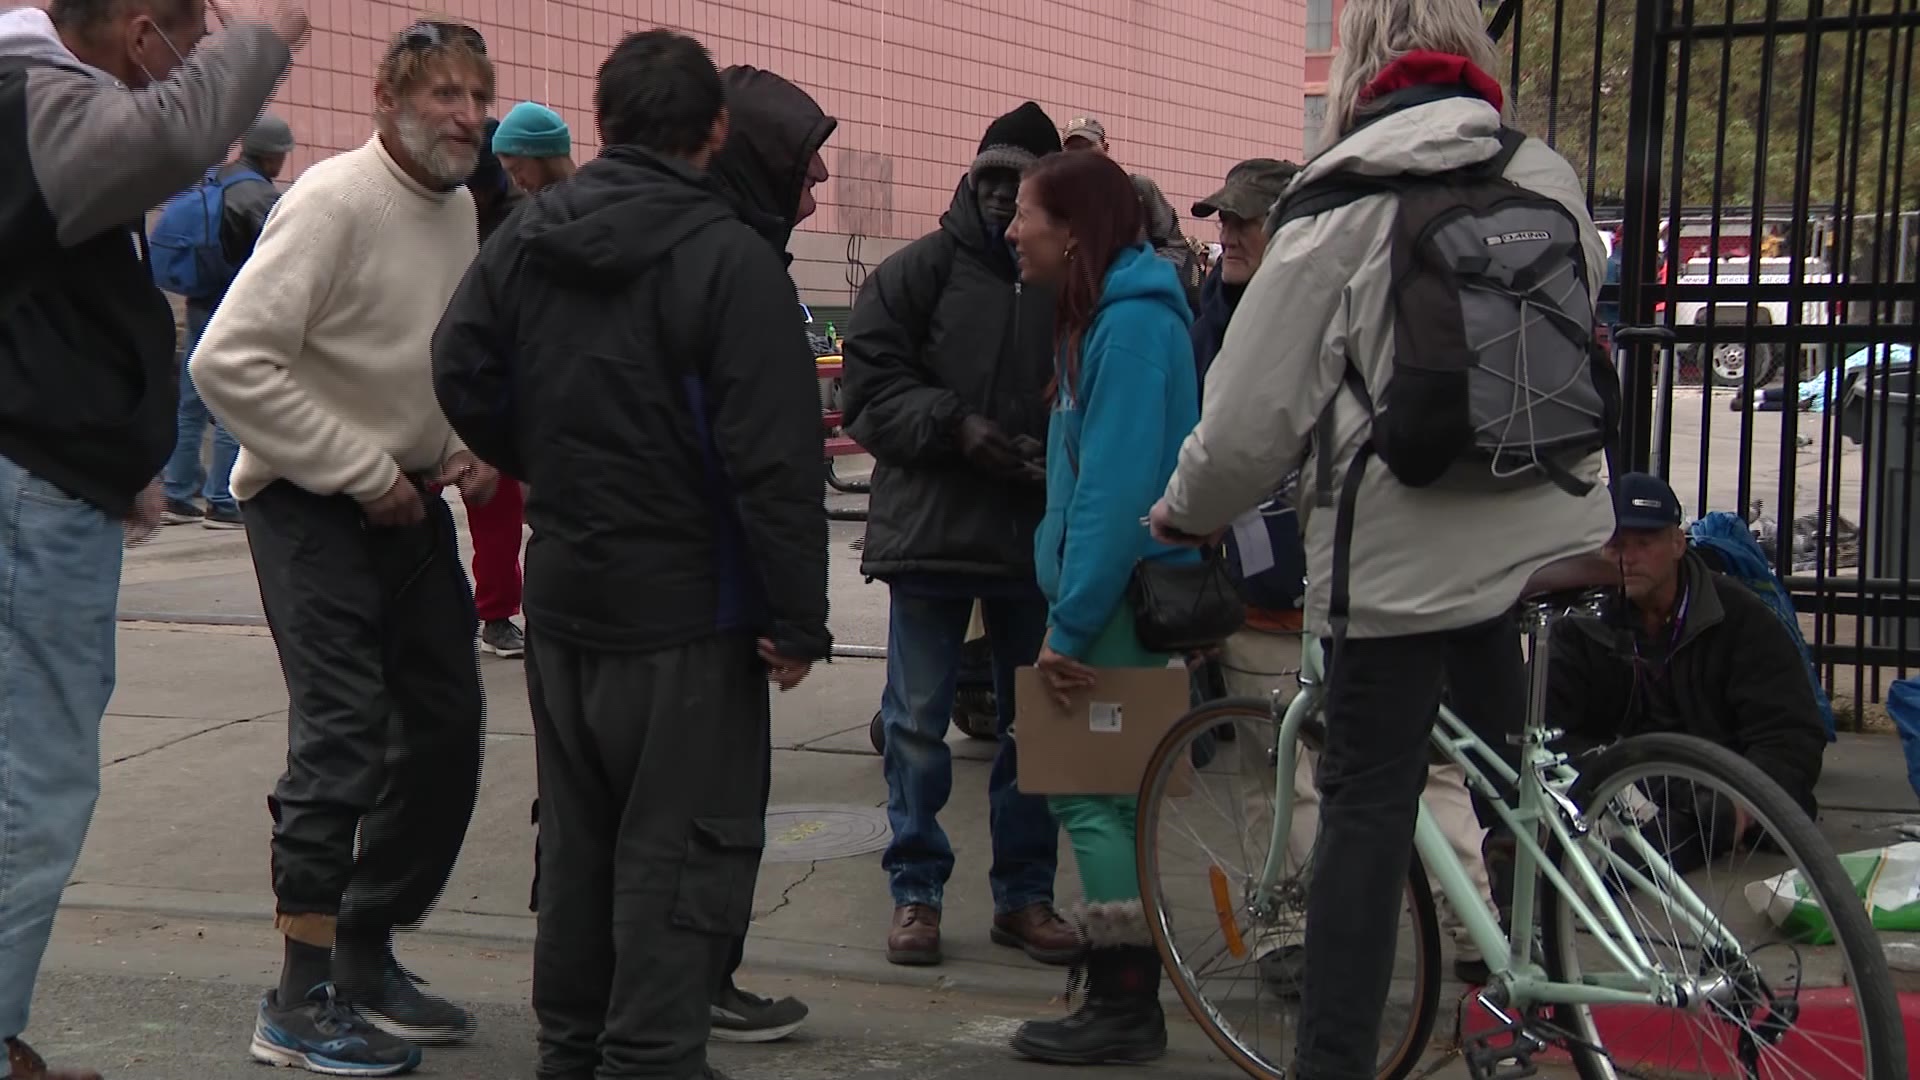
pixel 808 833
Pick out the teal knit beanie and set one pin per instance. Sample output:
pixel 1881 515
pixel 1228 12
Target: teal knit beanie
pixel 534 131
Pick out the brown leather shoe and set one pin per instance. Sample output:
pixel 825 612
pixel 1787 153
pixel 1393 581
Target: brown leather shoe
pixel 915 937
pixel 24 1064
pixel 1040 932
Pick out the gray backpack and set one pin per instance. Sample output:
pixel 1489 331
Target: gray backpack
pixel 1497 379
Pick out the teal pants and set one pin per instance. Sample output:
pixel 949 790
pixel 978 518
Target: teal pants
pixel 1101 827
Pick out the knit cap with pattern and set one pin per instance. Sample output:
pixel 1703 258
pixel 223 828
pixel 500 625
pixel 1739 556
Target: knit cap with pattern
pixel 1017 140
pixel 535 131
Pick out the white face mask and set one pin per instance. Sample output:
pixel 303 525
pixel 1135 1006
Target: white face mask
pixel 177 58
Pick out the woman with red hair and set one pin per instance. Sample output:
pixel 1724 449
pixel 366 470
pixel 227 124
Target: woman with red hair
pixel 1125 396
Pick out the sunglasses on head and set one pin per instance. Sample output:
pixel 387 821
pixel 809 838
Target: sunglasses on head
pixel 422 36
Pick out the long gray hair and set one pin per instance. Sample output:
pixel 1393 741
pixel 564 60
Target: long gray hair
pixel 1375 33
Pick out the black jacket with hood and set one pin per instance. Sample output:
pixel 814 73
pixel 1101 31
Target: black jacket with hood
pixel 87 379
pixel 1733 676
pixel 633 352
pixel 943 329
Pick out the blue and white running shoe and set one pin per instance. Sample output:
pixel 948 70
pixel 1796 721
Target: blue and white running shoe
pixel 322 1035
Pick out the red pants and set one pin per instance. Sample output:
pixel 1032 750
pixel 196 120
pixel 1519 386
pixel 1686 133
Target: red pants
pixel 496 551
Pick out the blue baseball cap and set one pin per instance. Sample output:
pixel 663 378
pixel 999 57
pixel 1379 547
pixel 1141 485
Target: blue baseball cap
pixel 1644 501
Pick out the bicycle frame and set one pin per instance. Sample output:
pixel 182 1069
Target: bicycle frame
pixel 1542 782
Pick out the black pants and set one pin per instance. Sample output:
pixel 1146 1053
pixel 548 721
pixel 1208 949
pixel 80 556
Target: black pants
pixel 375 630
pixel 653 776
pixel 1380 711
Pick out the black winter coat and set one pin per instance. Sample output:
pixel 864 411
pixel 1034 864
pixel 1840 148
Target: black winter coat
pixel 633 351
pixel 1734 677
pixel 943 329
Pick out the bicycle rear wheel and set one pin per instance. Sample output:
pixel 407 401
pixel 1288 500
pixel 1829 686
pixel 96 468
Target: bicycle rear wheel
pixel 1233 956
pixel 1753 1014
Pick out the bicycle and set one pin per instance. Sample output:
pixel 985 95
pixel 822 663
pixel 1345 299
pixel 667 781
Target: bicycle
pixel 1585 832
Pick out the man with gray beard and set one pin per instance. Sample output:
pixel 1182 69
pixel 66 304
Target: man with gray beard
pixel 318 361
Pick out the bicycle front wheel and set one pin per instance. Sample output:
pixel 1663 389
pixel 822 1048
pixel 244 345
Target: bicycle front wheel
pixel 1234 948
pixel 1781 975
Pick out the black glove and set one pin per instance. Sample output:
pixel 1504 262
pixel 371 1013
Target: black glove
pixel 986 446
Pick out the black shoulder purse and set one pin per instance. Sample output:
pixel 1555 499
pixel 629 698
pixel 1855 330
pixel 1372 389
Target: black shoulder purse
pixel 1178 607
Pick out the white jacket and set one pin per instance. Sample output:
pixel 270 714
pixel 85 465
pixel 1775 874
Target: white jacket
pixel 1424 559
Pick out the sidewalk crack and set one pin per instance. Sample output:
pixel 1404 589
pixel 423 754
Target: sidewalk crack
pixel 786 894
pixel 194 735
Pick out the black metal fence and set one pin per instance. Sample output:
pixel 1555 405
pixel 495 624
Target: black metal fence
pixel 1760 161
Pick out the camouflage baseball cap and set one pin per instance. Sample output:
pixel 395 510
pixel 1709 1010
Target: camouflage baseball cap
pixel 1252 187
pixel 1085 127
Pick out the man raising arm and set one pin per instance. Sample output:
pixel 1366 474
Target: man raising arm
pixel 102 116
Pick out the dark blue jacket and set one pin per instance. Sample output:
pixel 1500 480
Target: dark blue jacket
pixel 1281 588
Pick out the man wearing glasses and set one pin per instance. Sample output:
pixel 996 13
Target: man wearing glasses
pixel 318 361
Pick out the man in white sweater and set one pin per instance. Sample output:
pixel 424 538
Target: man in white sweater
pixel 318 362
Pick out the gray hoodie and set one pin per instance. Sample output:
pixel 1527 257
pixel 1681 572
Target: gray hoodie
pixel 1424 560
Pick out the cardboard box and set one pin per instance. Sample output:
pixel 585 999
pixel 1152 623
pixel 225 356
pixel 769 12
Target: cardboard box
pixel 1101 744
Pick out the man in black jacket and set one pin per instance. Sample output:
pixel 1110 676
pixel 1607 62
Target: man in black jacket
pixel 633 352
pixel 769 167
pixel 101 119
pixel 947 364
pixel 244 207
pixel 1692 651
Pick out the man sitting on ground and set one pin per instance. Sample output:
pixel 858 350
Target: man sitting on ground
pixel 1689 651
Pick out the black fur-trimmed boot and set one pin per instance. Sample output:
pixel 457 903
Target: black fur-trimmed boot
pixel 1120 1019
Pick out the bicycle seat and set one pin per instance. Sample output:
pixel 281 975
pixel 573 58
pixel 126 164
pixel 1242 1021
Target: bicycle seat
pixel 1572 575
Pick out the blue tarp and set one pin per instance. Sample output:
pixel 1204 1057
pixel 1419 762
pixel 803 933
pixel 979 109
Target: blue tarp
pixel 1903 704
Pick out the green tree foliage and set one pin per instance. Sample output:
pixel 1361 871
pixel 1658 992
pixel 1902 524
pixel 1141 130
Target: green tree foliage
pixel 1745 95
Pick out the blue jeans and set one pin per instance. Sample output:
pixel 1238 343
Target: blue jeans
pixel 59 586
pixel 924 641
pixel 184 477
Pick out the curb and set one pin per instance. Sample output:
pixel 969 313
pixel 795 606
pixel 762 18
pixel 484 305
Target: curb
pixel 1646 1034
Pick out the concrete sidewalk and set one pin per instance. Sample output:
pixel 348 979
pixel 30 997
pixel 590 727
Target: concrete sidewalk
pixel 166 937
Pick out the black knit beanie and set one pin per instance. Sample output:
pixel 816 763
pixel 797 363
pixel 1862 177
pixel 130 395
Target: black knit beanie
pixel 1017 140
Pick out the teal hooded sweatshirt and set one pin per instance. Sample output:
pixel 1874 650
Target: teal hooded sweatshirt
pixel 1113 440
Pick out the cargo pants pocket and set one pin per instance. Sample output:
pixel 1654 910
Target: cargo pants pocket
pixel 715 895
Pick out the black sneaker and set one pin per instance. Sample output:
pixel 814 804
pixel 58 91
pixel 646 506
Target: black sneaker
pixel 399 1007
pixel 322 1035
pixel 502 638
pixel 741 1017
pixel 181 513
pixel 223 518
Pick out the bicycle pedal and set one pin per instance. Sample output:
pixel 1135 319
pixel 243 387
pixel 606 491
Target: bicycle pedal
pixel 1510 1059
pixel 1510 1062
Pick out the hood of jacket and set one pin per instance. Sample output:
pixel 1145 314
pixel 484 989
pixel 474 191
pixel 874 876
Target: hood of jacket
pixel 968 226
pixel 1137 274
pixel 28 33
pixel 775 130
pixel 1420 131
pixel 621 213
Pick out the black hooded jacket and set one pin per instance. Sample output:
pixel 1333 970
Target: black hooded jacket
pixel 633 352
pixel 943 328
pixel 776 129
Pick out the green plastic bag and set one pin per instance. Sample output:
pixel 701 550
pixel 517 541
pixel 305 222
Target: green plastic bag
pixel 1886 879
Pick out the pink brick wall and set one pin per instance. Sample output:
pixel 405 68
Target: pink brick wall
pixel 1185 87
